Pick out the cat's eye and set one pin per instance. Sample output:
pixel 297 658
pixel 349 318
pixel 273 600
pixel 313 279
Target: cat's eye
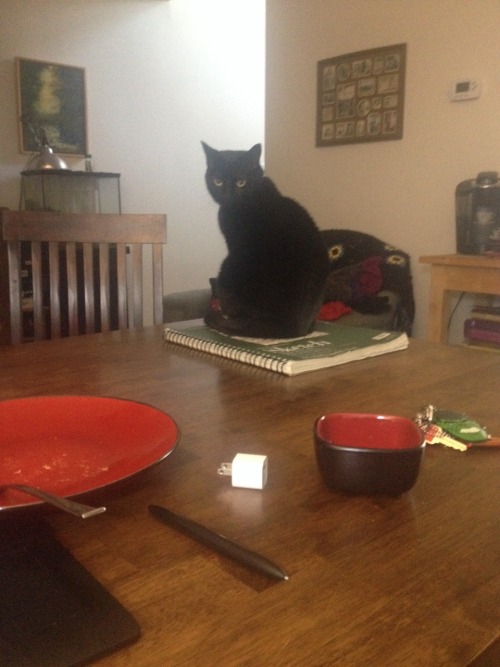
pixel 241 183
pixel 218 182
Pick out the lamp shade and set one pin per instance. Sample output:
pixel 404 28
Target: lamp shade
pixel 47 159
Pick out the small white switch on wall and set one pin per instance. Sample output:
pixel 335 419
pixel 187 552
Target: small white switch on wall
pixel 465 89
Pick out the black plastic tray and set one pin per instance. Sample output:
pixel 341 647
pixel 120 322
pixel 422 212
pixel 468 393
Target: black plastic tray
pixel 53 612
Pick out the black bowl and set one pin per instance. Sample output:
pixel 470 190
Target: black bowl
pixel 368 454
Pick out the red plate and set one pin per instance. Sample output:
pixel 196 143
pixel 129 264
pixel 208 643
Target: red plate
pixel 73 444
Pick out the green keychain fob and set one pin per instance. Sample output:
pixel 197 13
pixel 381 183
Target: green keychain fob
pixel 459 425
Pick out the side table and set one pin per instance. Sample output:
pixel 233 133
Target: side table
pixel 479 274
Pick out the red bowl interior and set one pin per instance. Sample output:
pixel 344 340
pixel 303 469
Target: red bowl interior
pixel 369 431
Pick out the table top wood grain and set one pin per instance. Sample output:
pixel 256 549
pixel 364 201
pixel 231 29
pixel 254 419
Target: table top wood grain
pixel 488 261
pixel 411 581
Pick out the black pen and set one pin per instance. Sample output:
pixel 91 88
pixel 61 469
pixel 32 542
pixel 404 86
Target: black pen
pixel 218 542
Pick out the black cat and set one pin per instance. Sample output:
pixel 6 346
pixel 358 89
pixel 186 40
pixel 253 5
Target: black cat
pixel 271 283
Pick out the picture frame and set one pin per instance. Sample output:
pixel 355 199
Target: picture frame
pixel 51 104
pixel 360 96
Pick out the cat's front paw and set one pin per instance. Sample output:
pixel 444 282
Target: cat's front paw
pixel 216 320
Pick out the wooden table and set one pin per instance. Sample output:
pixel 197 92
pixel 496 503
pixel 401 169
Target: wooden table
pixel 479 274
pixel 409 581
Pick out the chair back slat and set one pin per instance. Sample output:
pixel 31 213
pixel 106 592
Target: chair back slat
pixel 16 320
pixel 121 280
pixel 157 285
pixel 39 321
pixel 54 282
pixel 102 250
pixel 87 270
pixel 88 287
pixel 72 289
pixel 136 282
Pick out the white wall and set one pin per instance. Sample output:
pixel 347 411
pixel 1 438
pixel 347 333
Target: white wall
pixel 401 191
pixel 161 76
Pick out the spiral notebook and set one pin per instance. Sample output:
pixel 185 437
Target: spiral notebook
pixel 328 345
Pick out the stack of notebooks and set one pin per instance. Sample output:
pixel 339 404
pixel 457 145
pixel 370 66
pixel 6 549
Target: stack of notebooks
pixel 328 345
pixel 483 328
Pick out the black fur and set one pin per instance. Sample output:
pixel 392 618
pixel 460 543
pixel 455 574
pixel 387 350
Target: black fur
pixel 271 283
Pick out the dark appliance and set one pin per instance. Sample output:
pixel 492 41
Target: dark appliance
pixel 477 203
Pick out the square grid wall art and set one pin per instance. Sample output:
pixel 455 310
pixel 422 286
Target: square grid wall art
pixel 361 96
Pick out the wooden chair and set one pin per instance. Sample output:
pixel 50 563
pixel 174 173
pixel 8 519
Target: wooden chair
pixel 87 270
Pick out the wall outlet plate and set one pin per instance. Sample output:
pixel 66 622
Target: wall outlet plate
pixel 465 89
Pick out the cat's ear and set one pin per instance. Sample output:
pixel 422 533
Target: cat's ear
pixel 255 153
pixel 210 153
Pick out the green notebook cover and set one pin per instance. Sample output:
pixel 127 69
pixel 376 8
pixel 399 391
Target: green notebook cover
pixel 328 345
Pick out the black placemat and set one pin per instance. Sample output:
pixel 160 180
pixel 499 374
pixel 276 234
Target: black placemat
pixel 53 612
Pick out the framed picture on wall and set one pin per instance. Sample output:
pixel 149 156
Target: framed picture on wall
pixel 360 96
pixel 52 106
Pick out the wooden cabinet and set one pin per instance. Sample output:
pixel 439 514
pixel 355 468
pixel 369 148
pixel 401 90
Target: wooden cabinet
pixel 479 274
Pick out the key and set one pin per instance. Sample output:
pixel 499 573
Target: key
pixel 449 441
pixel 435 435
